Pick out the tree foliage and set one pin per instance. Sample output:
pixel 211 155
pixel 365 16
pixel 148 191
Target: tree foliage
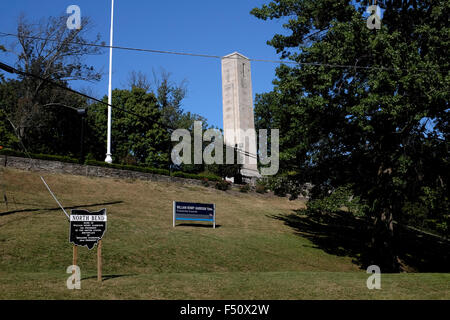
pixel 43 113
pixel 170 96
pixel 143 139
pixel 364 108
pixel 49 50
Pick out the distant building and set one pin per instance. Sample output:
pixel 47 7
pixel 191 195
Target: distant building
pixel 238 116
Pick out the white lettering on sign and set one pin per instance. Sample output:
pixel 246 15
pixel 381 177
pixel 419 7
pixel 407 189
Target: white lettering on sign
pixel 194 208
pixel 85 217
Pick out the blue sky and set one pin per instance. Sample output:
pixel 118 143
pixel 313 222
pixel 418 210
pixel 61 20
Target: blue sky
pixel 201 26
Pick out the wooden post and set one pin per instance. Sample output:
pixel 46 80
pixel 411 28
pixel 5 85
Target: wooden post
pixel 74 260
pixel 75 254
pixel 99 261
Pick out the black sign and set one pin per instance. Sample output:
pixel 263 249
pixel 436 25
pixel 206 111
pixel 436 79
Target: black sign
pixel 194 212
pixel 87 228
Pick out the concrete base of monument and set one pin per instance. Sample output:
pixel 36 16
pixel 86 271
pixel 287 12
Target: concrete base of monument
pixel 250 173
pixel 250 176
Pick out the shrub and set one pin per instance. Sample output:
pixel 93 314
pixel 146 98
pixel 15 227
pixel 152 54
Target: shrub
pixel 285 184
pixel 129 160
pixel 164 172
pixel 14 153
pixel 89 156
pixel 205 182
pixel 223 185
pixel 279 185
pixel 260 188
pixel 261 185
pixel 336 201
pixel 244 188
pixel 195 176
pixel 209 177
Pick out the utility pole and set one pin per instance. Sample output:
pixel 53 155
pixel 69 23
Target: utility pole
pixel 108 146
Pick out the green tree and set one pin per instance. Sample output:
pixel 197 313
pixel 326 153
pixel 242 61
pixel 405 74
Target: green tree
pixel 7 137
pixel 365 109
pixel 2 77
pixel 143 138
pixel 170 96
pixel 37 108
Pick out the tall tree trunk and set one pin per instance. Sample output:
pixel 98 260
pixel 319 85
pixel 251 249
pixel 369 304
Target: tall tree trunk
pixel 383 242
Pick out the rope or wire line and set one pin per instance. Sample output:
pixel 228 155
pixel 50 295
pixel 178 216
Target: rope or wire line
pixel 13 70
pixel 330 65
pixel 32 165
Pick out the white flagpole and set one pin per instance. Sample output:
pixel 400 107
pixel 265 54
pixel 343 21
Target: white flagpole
pixel 108 147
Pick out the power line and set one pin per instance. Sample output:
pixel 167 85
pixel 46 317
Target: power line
pixel 104 46
pixel 114 47
pixel 10 69
pixel 246 153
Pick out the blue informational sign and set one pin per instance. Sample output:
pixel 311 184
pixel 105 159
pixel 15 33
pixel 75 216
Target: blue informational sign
pixel 188 211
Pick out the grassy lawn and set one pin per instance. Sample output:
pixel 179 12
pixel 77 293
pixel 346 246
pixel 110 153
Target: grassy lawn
pixel 250 255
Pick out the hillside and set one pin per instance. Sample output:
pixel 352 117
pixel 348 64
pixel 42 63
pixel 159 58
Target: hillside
pixel 252 254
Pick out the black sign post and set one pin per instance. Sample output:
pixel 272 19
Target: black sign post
pixel 194 212
pixel 87 229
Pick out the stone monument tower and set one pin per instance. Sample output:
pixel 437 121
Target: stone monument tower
pixel 238 117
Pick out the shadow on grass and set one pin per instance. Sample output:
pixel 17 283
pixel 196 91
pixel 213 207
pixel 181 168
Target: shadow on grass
pixel 335 235
pixel 58 208
pixel 197 225
pixel 345 235
pixel 107 277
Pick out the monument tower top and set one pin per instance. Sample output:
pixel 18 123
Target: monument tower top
pixel 235 54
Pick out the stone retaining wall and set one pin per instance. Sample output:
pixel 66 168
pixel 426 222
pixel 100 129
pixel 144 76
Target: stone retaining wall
pixel 86 170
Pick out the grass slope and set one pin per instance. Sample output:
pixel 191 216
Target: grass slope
pixel 251 255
